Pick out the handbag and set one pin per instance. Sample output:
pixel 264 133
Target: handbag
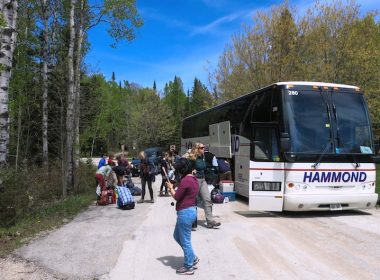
pixel 103 200
pixel 217 196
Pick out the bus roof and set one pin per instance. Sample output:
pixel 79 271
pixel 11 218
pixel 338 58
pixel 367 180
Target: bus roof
pixel 294 83
pixel 319 84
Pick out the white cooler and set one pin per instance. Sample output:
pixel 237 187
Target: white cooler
pixel 226 186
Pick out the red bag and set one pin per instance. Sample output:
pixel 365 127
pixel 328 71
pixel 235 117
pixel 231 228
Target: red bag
pixel 103 200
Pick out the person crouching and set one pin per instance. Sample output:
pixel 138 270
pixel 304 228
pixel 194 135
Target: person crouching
pixel 185 195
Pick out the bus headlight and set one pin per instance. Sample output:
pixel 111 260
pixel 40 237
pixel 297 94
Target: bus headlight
pixel 266 186
pixel 297 186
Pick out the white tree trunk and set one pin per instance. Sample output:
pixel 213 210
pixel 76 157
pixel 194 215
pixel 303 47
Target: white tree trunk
pixel 69 170
pixel 77 75
pixel 8 10
pixel 45 17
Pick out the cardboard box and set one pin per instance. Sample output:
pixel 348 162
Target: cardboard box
pixel 226 186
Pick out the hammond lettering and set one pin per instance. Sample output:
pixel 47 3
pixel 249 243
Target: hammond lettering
pixel 326 177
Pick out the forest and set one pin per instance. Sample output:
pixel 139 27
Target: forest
pixel 53 110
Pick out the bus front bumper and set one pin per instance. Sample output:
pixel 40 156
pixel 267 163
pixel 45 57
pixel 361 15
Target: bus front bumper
pixel 329 202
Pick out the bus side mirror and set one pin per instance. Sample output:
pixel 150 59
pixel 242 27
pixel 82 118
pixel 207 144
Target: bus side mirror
pixel 284 142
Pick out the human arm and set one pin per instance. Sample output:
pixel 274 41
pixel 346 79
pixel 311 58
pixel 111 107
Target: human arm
pixel 170 187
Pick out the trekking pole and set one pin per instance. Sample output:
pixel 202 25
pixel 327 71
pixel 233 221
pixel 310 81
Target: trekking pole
pixel 167 179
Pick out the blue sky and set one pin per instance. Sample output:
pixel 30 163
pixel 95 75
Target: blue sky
pixel 179 37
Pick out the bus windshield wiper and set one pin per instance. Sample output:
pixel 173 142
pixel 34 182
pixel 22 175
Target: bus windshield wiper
pixel 322 154
pixel 337 126
pixel 357 164
pixel 326 105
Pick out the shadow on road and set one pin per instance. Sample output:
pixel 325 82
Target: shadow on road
pixel 172 261
pixel 303 215
pixel 322 214
pixel 256 214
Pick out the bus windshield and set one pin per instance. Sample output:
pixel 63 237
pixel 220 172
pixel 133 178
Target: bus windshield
pixel 353 127
pixel 328 123
pixel 309 124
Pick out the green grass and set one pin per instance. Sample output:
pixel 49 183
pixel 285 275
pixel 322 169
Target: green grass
pixel 43 219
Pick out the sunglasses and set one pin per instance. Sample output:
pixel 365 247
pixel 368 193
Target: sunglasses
pixel 201 148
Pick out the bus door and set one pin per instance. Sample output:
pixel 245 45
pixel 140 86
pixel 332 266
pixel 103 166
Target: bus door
pixel 266 189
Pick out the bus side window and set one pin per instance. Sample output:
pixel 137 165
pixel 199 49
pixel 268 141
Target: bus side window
pixel 260 151
pixel 265 144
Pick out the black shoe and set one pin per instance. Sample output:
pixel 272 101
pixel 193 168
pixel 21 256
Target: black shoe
pixel 196 260
pixel 213 224
pixel 185 271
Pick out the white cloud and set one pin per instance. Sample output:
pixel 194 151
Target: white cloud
pixel 216 23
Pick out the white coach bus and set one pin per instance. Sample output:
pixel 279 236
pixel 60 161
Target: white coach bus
pixel 294 146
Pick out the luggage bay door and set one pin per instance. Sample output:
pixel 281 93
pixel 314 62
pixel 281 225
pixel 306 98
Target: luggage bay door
pixel 266 190
pixel 220 139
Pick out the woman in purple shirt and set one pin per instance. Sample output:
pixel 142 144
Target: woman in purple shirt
pixel 185 195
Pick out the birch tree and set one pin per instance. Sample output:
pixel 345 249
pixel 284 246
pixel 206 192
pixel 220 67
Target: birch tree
pixel 45 87
pixel 69 170
pixel 122 18
pixel 8 20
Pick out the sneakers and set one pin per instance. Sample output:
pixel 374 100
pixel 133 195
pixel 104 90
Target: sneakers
pixel 196 260
pixel 185 270
pixel 213 224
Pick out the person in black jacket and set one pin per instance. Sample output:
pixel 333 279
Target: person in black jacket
pixel 146 177
pixel 164 166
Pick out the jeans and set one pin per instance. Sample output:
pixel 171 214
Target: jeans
pixel 182 233
pixel 143 184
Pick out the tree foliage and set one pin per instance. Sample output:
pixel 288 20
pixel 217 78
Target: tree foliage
pixel 331 42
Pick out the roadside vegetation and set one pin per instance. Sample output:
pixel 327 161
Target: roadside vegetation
pixel 378 181
pixel 82 114
pixel 32 202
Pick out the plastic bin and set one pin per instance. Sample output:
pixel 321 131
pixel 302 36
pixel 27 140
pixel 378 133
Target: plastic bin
pixel 231 195
pixel 226 186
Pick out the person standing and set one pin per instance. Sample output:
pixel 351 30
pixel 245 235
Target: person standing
pixel 199 164
pixel 212 170
pixel 146 177
pixel 224 169
pixel 185 195
pixel 164 170
pixel 102 161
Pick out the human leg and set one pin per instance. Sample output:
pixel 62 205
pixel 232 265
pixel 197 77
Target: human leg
pixel 150 190
pixel 176 233
pixel 166 188
pixel 226 176
pixel 206 197
pixel 100 179
pixel 195 223
pixel 185 218
pixel 143 185
pixel 162 185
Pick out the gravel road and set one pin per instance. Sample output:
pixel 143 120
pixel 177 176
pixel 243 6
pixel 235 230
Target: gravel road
pixel 107 243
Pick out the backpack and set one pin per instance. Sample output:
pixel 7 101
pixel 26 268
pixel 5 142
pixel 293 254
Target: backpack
pixel 153 170
pixel 144 168
pixel 217 196
pixel 103 199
